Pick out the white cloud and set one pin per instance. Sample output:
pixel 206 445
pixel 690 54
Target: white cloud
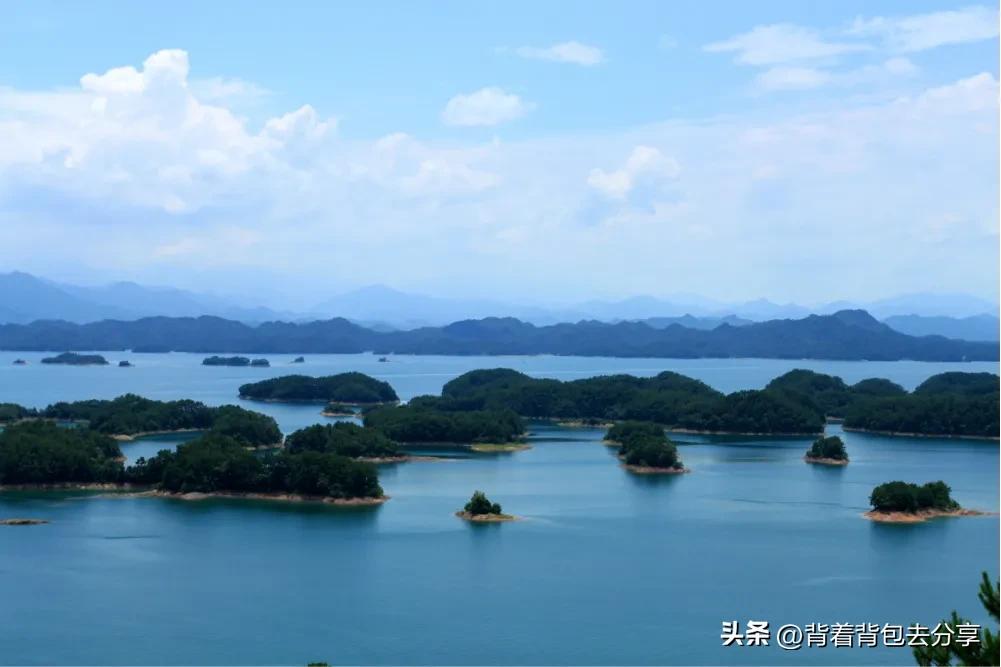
pixel 928 31
pixel 643 162
pixel 565 52
pixel 782 43
pixel 808 78
pixel 792 78
pixel 485 107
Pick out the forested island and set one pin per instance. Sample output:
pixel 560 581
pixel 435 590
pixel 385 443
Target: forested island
pixel 345 388
pixel 480 509
pixel 645 448
pixel 74 359
pixel 425 421
pixel 669 399
pixel 225 361
pixel 827 451
pixel 902 502
pixel 129 416
pixel 40 454
pixel 848 334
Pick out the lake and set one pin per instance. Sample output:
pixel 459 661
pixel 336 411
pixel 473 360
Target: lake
pixel 606 568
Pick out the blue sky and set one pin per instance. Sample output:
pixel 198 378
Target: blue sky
pixel 790 150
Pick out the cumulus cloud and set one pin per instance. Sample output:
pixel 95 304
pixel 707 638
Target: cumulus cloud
pixel 928 31
pixel 782 43
pixel 485 107
pixel 644 162
pixel 565 52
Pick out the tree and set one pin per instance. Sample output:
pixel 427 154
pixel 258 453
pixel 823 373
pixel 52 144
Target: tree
pixel 480 504
pixel 986 652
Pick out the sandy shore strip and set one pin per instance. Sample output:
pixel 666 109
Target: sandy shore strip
pixel 22 522
pixel 824 461
pixel 485 447
pixel 487 518
pixel 904 434
pixel 920 516
pixel 652 470
pixel 282 497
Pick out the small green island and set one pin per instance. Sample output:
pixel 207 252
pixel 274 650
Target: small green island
pixel 43 455
pixel 645 449
pixel 351 388
pixel 902 502
pixel 74 359
pixel 480 509
pixel 299 360
pixel 125 364
pixel 260 363
pixel 225 361
pixel 20 362
pixel 424 422
pixel 828 451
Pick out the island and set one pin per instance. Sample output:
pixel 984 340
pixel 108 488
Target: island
pixel 260 363
pixel 479 509
pixel 20 362
pixel 225 361
pixel 345 439
pixel 41 455
pixel 349 388
pixel 338 409
pixel 645 449
pixel 299 360
pixel 901 502
pixel 828 451
pixel 672 400
pixel 23 522
pixel 422 422
pixel 130 416
pixel 74 359
pixel 125 364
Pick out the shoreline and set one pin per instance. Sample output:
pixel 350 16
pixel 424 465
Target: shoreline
pixel 486 447
pixel 825 461
pixel 136 491
pixel 307 401
pixel 486 518
pixel 653 470
pixel 129 437
pixel 695 431
pixel 23 522
pixel 920 516
pixel 904 434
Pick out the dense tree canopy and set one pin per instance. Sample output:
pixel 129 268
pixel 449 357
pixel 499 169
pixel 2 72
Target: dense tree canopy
pixel 669 399
pixel 935 414
pixel 479 505
pixel 423 421
pixel 130 414
pixel 219 463
pixel 353 388
pixel 342 438
pixel 225 361
pixel 39 452
pixel 905 497
pixel 74 359
pixel 12 412
pixel 644 444
pixel 828 448
pixel 957 383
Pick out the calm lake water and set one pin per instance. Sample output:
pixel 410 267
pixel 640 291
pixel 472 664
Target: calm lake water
pixel 607 568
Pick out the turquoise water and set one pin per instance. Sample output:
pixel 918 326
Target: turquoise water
pixel 607 568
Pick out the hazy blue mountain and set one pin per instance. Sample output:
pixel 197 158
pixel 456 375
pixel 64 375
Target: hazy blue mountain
pixel 25 298
pixel 693 322
pixel 843 335
pixel 927 304
pixel 976 327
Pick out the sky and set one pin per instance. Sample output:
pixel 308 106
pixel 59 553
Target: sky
pixel 539 152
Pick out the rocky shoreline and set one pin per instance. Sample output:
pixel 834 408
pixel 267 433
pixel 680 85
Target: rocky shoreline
pixel 919 516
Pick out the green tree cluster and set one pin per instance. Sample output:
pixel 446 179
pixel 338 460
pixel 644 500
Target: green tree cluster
pixel 985 652
pixel 131 414
pixel 423 421
pixel 479 504
pixel 905 497
pixel 644 444
pixel 10 412
pixel 342 438
pixel 38 452
pixel 351 388
pixel 828 448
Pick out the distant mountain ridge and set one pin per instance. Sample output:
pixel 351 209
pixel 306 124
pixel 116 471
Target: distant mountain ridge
pixel 976 327
pixel 846 335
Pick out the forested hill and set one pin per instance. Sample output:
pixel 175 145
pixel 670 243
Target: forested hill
pixel 848 334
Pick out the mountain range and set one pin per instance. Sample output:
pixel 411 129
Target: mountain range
pixel 25 298
pixel 848 334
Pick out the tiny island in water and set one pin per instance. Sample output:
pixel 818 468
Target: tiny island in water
pixel 901 502
pixel 481 509
pixel 827 451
